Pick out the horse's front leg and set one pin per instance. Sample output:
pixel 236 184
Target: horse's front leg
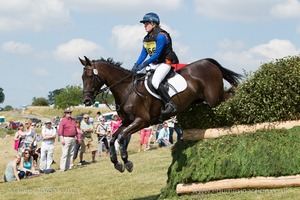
pixel 123 151
pixel 113 153
pixel 124 139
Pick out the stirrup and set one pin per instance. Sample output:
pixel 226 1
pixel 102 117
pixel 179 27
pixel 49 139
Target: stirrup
pixel 170 108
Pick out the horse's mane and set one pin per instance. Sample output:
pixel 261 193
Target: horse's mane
pixel 112 63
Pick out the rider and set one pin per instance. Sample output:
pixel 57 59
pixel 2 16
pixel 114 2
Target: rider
pixel 158 45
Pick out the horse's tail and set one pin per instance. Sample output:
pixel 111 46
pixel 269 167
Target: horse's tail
pixel 232 77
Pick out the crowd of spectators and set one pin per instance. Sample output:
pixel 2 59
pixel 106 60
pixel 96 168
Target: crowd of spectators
pixel 76 136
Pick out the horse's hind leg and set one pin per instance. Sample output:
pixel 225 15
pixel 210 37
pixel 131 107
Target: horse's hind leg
pixel 214 96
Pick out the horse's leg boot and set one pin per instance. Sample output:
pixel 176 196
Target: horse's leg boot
pixel 170 107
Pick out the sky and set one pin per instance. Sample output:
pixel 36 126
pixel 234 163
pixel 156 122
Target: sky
pixel 41 40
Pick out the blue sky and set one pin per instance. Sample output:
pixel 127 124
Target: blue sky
pixel 41 40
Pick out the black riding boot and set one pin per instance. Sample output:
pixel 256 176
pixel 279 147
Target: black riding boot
pixel 170 107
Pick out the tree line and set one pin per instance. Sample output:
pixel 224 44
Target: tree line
pixel 62 98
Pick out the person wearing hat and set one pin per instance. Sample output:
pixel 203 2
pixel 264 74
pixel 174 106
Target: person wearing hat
pixel 158 45
pixel 47 148
pixel 67 132
pixel 89 143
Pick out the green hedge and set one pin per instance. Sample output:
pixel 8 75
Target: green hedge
pixel 270 94
pixel 273 153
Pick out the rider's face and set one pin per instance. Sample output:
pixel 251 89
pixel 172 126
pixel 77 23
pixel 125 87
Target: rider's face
pixel 148 26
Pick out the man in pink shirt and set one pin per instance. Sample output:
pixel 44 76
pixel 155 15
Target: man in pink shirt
pixel 67 132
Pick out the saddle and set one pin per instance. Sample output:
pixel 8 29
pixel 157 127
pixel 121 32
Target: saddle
pixel 173 82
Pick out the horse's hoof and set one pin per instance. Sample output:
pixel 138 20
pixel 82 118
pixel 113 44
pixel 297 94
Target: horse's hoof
pixel 129 166
pixel 119 166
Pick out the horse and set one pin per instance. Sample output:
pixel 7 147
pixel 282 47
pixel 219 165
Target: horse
pixel 137 107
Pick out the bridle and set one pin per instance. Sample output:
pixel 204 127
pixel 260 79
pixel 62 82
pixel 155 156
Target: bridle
pixel 96 77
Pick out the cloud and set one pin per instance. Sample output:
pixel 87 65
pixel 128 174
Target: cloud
pixel 287 9
pixel 126 38
pixel 123 6
pixel 275 49
pixel 252 58
pixel 247 10
pixel 32 14
pixel 75 48
pixel 16 47
pixel 128 41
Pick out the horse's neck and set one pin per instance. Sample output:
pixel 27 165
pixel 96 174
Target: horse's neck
pixel 114 77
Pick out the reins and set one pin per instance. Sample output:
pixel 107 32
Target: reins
pixel 106 89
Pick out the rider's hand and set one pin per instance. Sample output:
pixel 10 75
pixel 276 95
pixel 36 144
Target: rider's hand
pixel 139 67
pixel 135 67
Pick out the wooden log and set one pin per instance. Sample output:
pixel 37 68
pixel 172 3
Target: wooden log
pixel 199 134
pixel 243 183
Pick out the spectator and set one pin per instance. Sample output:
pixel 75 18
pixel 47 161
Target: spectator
pixel 88 142
pixel 157 127
pixel 91 120
pixel 12 173
pixel 99 116
pixel 163 136
pixel 19 138
pixel 31 139
pixel 47 148
pixel 173 125
pixel 102 132
pixel 77 144
pixel 144 137
pixel 27 163
pixel 114 125
pixel 67 132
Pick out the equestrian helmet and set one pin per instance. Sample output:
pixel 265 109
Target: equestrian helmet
pixel 151 17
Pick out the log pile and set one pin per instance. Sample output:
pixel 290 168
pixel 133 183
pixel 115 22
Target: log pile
pixel 243 183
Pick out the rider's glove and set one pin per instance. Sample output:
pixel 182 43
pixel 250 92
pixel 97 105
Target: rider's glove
pixel 135 67
pixel 139 67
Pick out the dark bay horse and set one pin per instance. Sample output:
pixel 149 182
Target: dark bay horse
pixel 139 109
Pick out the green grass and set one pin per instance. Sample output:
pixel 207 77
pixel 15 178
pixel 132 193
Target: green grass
pixel 94 181
pixel 147 181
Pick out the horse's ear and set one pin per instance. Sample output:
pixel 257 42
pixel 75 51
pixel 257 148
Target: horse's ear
pixel 88 62
pixel 82 61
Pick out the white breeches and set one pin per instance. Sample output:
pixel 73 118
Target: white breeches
pixel 161 70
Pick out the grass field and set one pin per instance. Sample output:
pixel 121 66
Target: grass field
pixel 101 181
pixel 94 181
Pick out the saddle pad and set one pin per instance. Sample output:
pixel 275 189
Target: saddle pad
pixel 177 81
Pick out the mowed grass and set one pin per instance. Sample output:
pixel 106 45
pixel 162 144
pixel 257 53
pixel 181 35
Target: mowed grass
pixel 93 181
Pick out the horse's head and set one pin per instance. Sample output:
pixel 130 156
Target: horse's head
pixel 91 81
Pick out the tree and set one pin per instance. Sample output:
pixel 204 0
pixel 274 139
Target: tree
pixel 41 101
pixel 69 96
pixel 52 94
pixel 109 98
pixel 2 96
pixel 8 108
